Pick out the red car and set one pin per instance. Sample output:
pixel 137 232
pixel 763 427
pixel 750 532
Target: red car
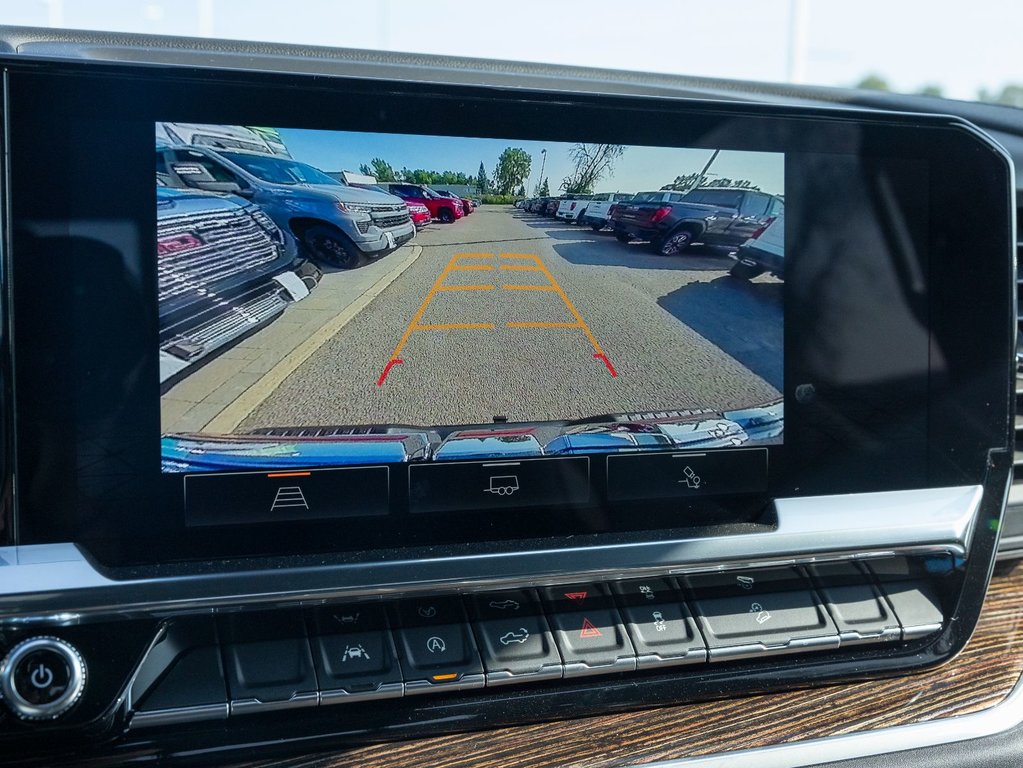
pixel 420 214
pixel 441 208
pixel 467 205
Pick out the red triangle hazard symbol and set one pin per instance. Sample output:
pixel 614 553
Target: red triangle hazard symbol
pixel 589 630
pixel 576 597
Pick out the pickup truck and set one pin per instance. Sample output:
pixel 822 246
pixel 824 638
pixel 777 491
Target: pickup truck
pixel 338 225
pixel 715 216
pixel 571 207
pixel 223 269
pixel 598 210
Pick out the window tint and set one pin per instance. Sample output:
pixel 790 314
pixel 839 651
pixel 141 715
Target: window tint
pixel 777 207
pixel 213 168
pixel 755 205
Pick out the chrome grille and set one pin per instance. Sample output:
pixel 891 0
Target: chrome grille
pixel 387 216
pixel 235 321
pixel 232 243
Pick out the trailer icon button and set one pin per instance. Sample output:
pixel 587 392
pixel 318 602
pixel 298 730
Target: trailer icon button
pixel 503 485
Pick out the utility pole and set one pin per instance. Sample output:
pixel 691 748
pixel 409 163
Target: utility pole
pixel 543 163
pixel 703 173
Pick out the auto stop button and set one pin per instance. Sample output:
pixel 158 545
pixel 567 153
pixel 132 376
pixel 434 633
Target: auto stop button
pixel 41 678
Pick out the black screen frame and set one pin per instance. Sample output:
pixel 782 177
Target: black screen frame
pixel 967 406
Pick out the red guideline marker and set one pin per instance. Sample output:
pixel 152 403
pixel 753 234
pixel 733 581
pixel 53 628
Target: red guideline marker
pixel 387 370
pixel 607 362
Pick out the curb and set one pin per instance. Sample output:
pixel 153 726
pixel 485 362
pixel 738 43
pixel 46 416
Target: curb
pixel 228 419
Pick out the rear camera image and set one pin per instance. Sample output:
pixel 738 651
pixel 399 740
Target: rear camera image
pixel 332 298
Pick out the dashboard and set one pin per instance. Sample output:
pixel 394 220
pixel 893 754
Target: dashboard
pixel 311 443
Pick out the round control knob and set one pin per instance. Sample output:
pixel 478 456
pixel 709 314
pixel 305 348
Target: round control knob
pixel 41 678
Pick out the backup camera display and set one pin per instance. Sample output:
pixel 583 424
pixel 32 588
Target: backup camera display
pixel 335 298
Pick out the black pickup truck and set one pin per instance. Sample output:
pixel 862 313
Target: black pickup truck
pixel 718 216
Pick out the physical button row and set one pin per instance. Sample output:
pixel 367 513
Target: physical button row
pixel 357 652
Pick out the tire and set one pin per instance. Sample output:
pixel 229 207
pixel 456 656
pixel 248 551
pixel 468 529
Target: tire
pixel 596 226
pixel 329 247
pixel 742 271
pixel 446 215
pixel 622 237
pixel 579 219
pixel 674 243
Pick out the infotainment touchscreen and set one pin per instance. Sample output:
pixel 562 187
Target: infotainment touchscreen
pixel 329 299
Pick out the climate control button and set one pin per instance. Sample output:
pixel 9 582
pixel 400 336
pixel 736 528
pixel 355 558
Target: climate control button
pixel 41 678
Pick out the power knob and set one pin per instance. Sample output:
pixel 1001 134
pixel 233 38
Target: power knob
pixel 42 678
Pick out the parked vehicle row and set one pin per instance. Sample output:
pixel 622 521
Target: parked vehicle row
pixel 750 223
pixel 243 230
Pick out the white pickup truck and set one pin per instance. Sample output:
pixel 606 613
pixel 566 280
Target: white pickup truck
pixel 598 209
pixel 571 206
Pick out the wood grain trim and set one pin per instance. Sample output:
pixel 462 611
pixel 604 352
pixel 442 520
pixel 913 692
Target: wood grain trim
pixel 980 677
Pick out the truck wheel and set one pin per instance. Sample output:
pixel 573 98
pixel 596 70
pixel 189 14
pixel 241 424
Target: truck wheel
pixel 622 237
pixel 596 226
pixel 674 243
pixel 328 246
pixel 743 271
pixel 579 219
pixel 446 215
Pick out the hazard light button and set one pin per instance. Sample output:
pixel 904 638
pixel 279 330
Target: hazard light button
pixel 588 630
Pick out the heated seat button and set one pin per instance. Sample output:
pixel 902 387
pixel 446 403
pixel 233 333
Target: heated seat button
pixel 515 640
pixel 436 646
pixel 268 661
pixel 589 630
pixel 750 625
pixel 861 614
pixel 354 654
pixel 660 626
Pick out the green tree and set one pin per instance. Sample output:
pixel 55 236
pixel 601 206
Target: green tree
pixel 513 167
pixel 544 189
pixel 1010 95
pixel 592 163
pixel 521 191
pixel 873 82
pixel 365 170
pixel 482 181
pixel 382 170
pixel 931 89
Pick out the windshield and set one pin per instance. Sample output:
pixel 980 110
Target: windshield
pixel 280 171
pixel 647 197
pixel 901 47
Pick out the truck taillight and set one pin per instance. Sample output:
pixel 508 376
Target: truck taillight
pixel 760 230
pixel 660 213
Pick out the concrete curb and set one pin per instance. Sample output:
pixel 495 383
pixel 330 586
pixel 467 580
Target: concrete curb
pixel 228 419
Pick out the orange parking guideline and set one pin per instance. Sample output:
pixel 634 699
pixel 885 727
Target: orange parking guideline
pixel 452 265
pixel 535 264
pixel 541 267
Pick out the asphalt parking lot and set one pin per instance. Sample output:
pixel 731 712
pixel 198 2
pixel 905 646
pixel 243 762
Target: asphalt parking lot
pixel 504 314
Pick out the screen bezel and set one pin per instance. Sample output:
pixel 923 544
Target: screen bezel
pixel 971 397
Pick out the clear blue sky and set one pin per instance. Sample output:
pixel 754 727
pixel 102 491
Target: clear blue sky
pixel 961 47
pixel 639 169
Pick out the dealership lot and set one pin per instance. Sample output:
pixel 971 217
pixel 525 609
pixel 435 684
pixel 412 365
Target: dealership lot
pixel 507 315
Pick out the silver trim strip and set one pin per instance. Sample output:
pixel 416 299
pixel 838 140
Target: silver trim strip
pixel 177 715
pixel 465 682
pixel 53 579
pixel 900 738
pixel 581 669
pixel 382 691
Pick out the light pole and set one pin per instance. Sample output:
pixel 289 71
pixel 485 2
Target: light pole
pixel 543 163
